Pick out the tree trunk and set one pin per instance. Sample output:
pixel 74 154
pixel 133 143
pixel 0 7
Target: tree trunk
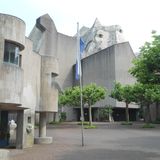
pixel 90 115
pixel 157 111
pixel 110 117
pixel 127 113
pixel 148 114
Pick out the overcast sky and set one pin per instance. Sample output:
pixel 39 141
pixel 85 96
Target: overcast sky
pixel 136 17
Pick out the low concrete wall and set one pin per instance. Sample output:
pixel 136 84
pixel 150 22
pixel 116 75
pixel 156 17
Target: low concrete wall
pixel 4 154
pixel 43 140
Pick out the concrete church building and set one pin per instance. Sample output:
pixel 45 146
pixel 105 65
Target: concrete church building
pixel 106 59
pixel 27 80
pixel 33 69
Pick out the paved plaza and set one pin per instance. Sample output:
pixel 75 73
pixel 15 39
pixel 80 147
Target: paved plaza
pixel 107 142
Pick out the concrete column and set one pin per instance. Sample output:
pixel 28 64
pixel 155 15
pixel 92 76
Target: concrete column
pixel 42 124
pixel 42 139
pixel 20 133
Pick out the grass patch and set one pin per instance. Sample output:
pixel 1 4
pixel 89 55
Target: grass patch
pixel 148 125
pixel 84 123
pixel 126 123
pixel 55 123
pixel 90 127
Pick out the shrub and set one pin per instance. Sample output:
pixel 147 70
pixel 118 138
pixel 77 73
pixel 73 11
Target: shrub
pixel 84 123
pixel 63 116
pixel 148 125
pixel 90 127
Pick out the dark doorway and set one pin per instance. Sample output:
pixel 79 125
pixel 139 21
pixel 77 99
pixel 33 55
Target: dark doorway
pixel 119 114
pixel 86 114
pixel 4 133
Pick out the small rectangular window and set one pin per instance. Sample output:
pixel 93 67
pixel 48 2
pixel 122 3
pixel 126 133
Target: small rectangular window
pixel 11 53
pixel 29 119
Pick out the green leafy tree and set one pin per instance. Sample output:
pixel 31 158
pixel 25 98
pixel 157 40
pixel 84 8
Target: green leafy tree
pixel 90 93
pixel 124 94
pixel 70 96
pixel 145 95
pixel 155 97
pixel 106 113
pixel 146 67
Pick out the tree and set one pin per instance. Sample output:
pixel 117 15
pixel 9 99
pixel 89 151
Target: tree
pixel 123 93
pixel 145 95
pixel 140 98
pixel 155 97
pixel 146 67
pixel 106 113
pixel 70 96
pixel 90 93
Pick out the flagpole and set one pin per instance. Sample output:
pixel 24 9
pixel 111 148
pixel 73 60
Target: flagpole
pixel 80 83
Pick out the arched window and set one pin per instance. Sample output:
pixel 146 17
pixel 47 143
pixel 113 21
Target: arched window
pixel 11 53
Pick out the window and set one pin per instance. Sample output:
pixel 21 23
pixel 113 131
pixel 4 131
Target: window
pixel 29 120
pixel 52 79
pixel 100 35
pixel 120 31
pixel 11 53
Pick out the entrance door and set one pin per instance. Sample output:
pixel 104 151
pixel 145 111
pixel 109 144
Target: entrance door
pixel 4 135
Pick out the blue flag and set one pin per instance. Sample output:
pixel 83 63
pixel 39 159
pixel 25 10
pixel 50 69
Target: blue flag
pixel 82 46
pixel 78 60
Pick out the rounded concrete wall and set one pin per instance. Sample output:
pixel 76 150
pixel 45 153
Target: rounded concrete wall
pixel 12 29
pixel 49 93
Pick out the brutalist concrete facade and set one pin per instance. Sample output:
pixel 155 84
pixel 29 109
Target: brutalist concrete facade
pixel 44 65
pixel 107 58
pixel 26 81
pixel 107 67
pixel 12 30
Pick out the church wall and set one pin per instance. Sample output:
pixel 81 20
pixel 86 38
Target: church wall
pixel 66 53
pixel 31 64
pixel 99 68
pixel 106 67
pixel 123 62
